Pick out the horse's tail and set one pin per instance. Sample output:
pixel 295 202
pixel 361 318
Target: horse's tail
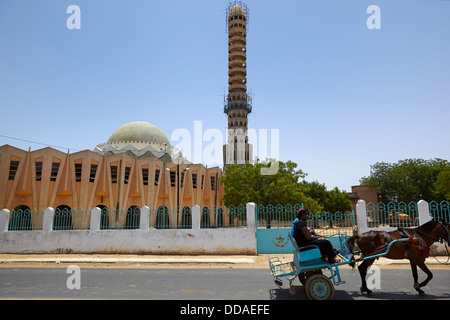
pixel 350 246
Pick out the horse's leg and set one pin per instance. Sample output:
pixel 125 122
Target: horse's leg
pixel 425 269
pixel 415 275
pixel 363 272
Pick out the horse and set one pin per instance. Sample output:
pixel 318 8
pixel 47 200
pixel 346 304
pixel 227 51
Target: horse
pixel 416 249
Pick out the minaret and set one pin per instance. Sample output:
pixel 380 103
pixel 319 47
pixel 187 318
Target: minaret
pixel 238 102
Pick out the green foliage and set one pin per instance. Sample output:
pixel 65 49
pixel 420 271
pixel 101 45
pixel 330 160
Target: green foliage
pixel 443 184
pixel 410 180
pixel 332 200
pixel 246 184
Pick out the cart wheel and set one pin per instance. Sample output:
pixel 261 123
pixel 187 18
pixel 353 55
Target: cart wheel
pixel 302 277
pixel 319 287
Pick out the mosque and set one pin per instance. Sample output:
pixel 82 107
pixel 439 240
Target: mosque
pixel 137 166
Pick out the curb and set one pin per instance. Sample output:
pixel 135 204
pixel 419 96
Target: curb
pixel 246 260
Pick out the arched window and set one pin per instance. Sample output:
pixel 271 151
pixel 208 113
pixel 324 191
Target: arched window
pixel 204 222
pixel 104 217
pixel 186 218
pixel 162 218
pixel 133 218
pixel 20 219
pixel 219 222
pixel 62 219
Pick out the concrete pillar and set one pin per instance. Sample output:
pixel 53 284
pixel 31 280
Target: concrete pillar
pixel 361 216
pixel 4 220
pixel 47 224
pixel 423 210
pixel 251 223
pixel 96 214
pixel 251 216
pixel 145 219
pixel 195 217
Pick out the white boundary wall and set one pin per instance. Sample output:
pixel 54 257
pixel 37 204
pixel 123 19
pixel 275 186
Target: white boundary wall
pixel 140 241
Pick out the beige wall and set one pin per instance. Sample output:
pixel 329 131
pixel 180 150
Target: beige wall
pixel 89 192
pixel 366 193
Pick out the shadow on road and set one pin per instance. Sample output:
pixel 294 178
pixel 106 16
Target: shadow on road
pixel 284 294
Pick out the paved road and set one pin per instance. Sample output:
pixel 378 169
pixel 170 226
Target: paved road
pixel 196 284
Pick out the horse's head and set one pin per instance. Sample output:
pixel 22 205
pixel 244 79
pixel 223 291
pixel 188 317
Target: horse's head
pixel 443 232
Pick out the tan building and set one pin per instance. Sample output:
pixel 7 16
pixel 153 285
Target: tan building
pixel 366 193
pixel 137 167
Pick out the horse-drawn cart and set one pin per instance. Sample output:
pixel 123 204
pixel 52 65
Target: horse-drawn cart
pixel 308 266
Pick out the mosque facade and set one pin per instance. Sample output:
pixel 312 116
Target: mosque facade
pixel 137 166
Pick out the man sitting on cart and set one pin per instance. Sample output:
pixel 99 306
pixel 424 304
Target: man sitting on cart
pixel 305 236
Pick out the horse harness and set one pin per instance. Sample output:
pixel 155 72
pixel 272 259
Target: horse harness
pixel 413 238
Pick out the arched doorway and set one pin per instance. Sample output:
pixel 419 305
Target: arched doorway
pixel 20 219
pixel 133 218
pixel 104 217
pixel 205 222
pixel 162 218
pixel 219 222
pixel 186 218
pixel 62 219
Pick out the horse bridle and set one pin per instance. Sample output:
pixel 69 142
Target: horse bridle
pixel 438 239
pixel 448 242
pixel 448 233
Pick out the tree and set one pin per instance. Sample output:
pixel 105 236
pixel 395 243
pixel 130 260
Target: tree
pixel 332 200
pixel 246 184
pixel 443 185
pixel 337 200
pixel 408 180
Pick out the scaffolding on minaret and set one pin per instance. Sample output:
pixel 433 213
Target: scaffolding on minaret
pixel 238 103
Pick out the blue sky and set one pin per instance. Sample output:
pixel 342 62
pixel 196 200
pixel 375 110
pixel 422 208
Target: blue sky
pixel 343 97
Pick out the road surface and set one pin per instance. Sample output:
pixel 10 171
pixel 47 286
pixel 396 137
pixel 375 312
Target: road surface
pixel 198 284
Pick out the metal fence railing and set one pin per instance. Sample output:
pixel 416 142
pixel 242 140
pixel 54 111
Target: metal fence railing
pixel 171 218
pixel 277 216
pixel 120 218
pixel 392 214
pixel 71 219
pixel 324 223
pixel 231 216
pixel 440 210
pixel 332 223
pixel 210 217
pixel 26 220
pixel 66 218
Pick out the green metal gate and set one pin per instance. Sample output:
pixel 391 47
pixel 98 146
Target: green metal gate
pixel 275 222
